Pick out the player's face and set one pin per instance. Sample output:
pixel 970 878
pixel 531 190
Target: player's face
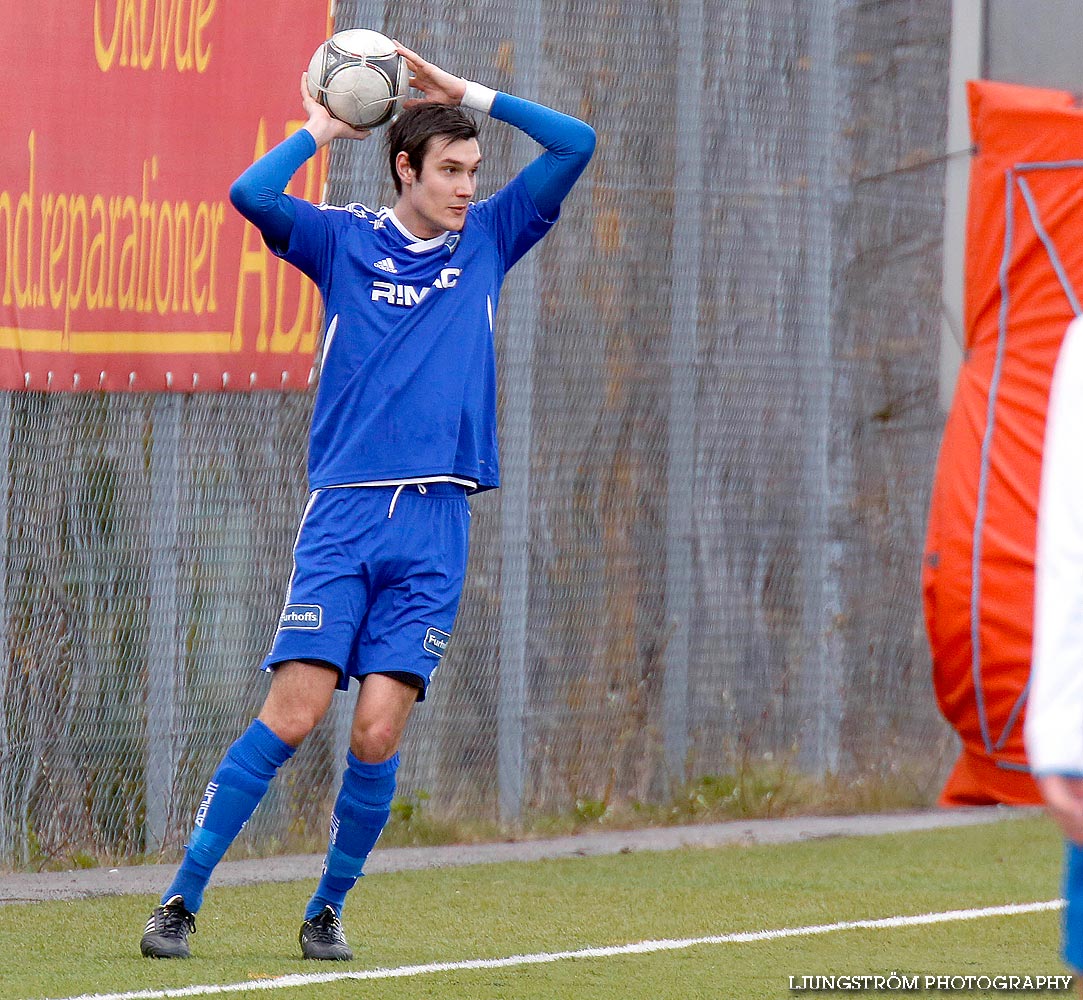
pixel 434 200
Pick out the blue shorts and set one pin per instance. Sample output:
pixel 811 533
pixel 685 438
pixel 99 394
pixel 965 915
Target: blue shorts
pixel 1072 919
pixel 378 573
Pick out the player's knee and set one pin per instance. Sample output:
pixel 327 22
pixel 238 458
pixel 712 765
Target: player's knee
pixel 291 725
pixel 374 742
pixel 299 698
pixel 292 720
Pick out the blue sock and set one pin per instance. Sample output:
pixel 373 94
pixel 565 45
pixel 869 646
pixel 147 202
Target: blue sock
pixel 230 799
pixel 361 812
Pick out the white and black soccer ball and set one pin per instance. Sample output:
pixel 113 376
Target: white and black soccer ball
pixel 359 77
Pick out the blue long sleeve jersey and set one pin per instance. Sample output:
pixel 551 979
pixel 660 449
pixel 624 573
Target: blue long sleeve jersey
pixel 407 386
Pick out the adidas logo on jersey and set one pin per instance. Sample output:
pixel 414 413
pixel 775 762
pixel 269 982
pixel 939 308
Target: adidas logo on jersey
pixel 387 264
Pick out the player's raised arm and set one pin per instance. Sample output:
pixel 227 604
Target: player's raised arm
pixel 569 143
pixel 258 194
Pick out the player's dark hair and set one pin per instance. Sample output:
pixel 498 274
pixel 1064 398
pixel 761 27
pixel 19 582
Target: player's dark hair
pixel 414 129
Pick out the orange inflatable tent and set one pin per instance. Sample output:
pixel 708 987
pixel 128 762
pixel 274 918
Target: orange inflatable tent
pixel 1024 265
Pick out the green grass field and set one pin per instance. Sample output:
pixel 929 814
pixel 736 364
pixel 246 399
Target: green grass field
pixel 61 950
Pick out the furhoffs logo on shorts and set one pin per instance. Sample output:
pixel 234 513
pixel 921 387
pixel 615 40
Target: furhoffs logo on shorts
pixel 301 616
pixel 436 641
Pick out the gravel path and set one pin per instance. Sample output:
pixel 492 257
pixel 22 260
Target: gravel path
pixel 151 879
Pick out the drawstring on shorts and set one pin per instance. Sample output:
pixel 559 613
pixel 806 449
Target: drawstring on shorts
pixel 398 490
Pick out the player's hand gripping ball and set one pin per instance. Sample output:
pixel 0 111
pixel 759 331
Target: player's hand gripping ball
pixel 359 77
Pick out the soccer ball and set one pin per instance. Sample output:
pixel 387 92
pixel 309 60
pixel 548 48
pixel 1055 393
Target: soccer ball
pixel 359 77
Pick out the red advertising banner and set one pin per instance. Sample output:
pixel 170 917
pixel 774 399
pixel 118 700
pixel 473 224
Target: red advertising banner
pixel 123 267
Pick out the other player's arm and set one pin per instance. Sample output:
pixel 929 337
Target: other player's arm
pixel 259 193
pixel 1063 796
pixel 569 143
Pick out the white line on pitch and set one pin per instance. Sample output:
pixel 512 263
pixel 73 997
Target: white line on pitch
pixel 543 958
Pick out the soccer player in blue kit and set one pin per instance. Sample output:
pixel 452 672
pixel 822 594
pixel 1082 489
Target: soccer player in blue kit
pixel 403 429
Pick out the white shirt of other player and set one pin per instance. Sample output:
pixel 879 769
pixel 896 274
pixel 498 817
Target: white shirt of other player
pixel 1053 730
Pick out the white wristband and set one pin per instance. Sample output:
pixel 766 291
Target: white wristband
pixel 478 97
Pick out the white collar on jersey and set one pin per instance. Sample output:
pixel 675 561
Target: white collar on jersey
pixel 417 246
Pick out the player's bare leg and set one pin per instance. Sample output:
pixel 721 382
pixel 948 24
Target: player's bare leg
pixel 299 697
pixel 383 708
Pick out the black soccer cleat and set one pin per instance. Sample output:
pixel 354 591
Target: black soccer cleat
pixel 322 938
pixel 166 933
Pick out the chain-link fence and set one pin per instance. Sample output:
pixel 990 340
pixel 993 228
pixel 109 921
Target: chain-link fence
pixel 719 419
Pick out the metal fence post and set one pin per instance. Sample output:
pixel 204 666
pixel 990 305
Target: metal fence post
pixel 163 667
pixel 515 474
pixel 684 320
